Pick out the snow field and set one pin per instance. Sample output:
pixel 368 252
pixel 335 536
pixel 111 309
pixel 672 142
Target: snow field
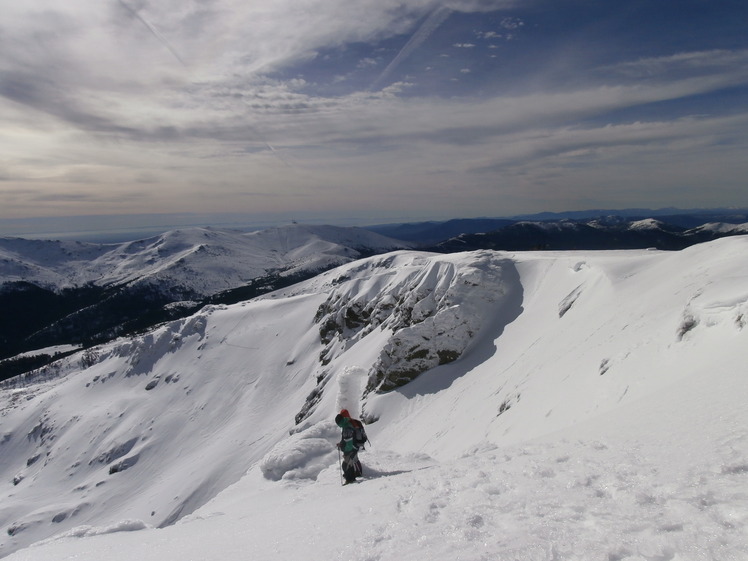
pixel 598 414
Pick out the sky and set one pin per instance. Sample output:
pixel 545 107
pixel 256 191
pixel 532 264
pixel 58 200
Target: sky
pixel 371 109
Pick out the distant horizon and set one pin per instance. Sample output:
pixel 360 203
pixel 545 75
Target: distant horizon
pixel 119 228
pixel 105 228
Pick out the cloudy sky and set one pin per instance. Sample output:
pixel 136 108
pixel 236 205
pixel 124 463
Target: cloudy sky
pixel 381 109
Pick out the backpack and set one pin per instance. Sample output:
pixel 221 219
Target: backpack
pixel 359 434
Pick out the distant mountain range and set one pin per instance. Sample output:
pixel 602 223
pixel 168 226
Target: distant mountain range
pixel 428 234
pixel 57 293
pixel 594 234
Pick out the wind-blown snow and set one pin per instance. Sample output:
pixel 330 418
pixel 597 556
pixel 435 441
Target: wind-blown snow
pixel 595 411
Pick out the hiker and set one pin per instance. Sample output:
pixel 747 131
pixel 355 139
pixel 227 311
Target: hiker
pixel 352 440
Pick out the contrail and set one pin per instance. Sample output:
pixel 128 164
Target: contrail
pixel 422 33
pixel 278 155
pixel 153 30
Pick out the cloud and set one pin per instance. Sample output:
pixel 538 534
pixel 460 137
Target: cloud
pixel 188 94
pixel 512 23
pixel 626 143
pixel 53 99
pixel 367 62
pixel 68 197
pixel 479 5
pixel 471 121
pixel 260 114
pixel 109 66
pixel 689 64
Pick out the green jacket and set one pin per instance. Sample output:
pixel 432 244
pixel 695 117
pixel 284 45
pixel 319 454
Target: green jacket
pixel 346 443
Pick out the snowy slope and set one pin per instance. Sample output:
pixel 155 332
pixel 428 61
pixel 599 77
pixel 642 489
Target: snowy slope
pixel 202 260
pixel 722 228
pixel 591 406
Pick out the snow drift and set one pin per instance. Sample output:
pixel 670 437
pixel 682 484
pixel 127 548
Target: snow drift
pixel 589 406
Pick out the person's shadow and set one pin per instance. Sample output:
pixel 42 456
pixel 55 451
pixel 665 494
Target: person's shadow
pixel 373 473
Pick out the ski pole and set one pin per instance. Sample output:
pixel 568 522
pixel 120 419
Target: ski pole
pixel 340 465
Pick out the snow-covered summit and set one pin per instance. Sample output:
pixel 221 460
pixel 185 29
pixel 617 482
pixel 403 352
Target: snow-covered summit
pixel 647 224
pixel 591 408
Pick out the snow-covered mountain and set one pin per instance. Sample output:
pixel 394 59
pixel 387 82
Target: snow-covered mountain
pixel 722 228
pixel 200 261
pixel 428 234
pixel 69 292
pixel 612 232
pixel 545 405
